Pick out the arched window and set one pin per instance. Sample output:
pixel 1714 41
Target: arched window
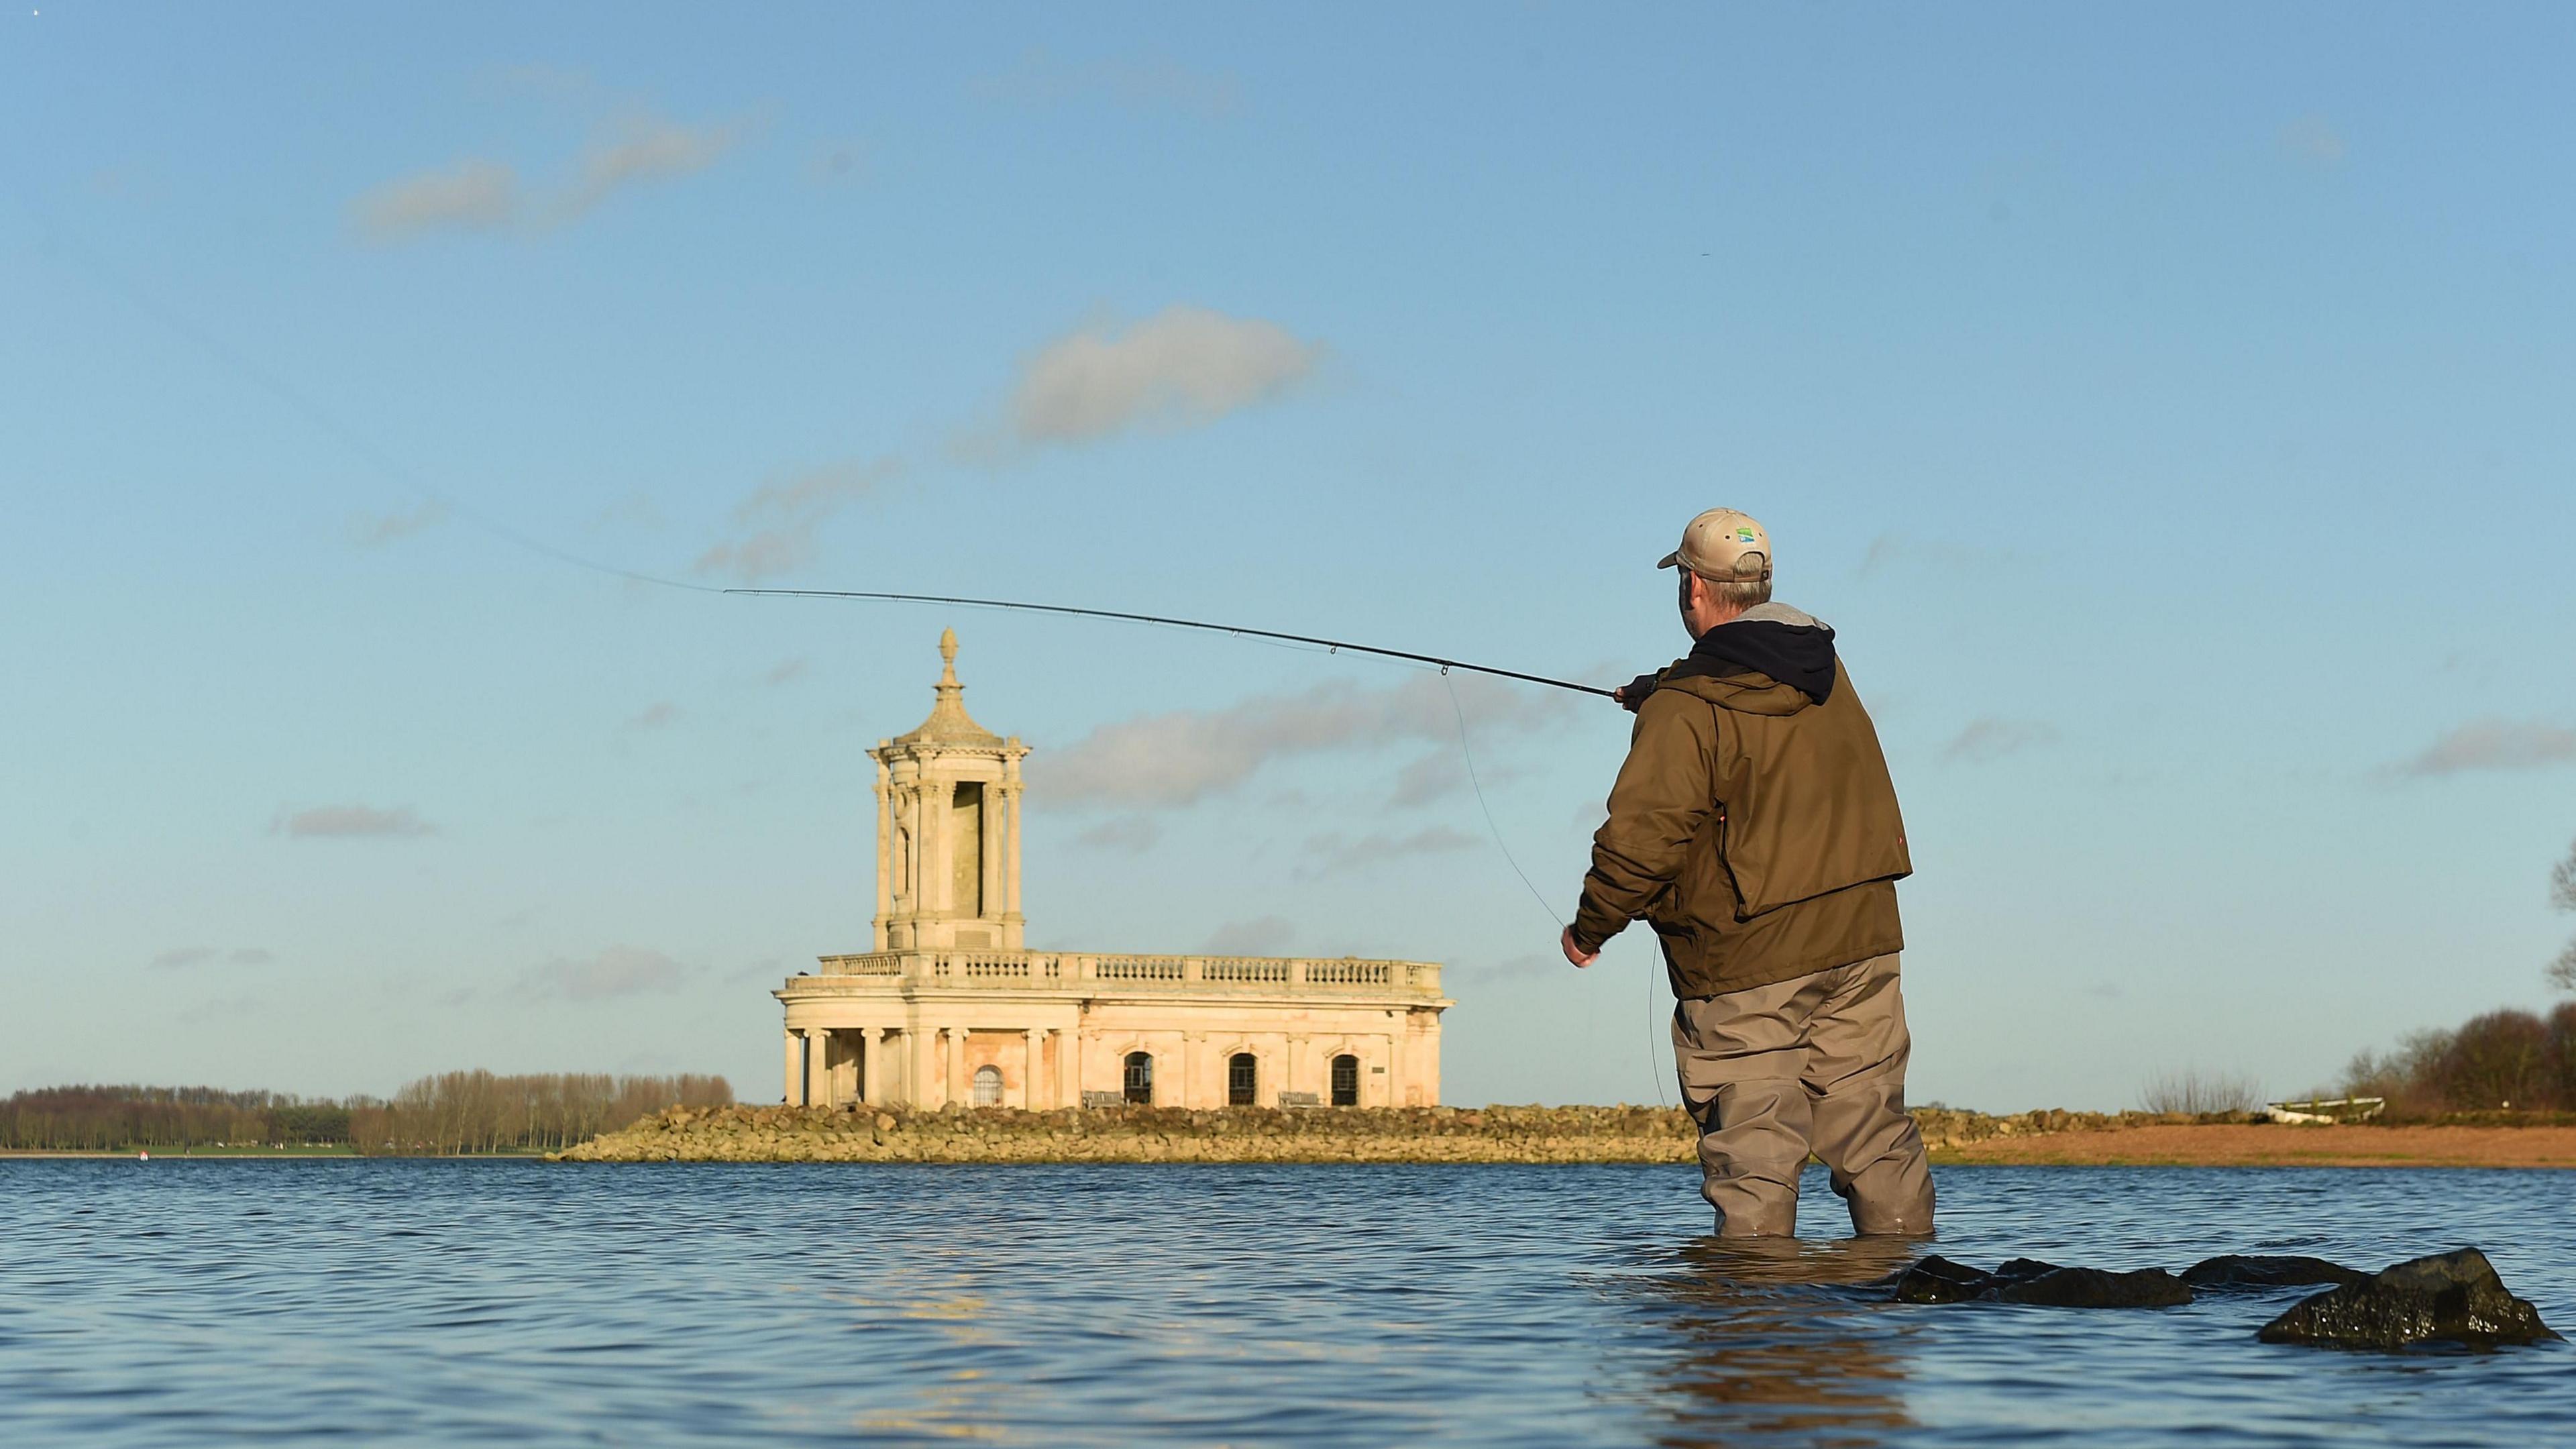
pixel 1346 1080
pixel 1140 1078
pixel 988 1086
pixel 1242 1080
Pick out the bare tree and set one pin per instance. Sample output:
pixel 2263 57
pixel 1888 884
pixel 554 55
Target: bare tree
pixel 2562 894
pixel 2194 1093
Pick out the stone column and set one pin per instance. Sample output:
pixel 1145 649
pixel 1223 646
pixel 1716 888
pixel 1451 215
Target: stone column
pixel 953 1067
pixel 1068 1067
pixel 1030 1094
pixel 872 1064
pixel 916 1084
pixel 885 851
pixel 818 1070
pixel 988 859
pixel 795 1068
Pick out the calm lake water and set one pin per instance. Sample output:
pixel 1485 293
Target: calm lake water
pixel 191 1303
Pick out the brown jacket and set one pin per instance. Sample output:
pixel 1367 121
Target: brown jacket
pixel 1755 829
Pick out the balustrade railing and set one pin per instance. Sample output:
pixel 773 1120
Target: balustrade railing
pixel 1050 968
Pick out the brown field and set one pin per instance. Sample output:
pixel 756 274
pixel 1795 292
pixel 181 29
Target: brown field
pixel 2234 1145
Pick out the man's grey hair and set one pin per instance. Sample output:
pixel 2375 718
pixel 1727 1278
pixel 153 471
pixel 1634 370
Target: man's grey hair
pixel 1741 592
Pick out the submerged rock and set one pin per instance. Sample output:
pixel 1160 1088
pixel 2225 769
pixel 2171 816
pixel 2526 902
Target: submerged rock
pixel 2242 1272
pixel 1938 1280
pixel 2094 1288
pixel 2027 1280
pixel 2450 1298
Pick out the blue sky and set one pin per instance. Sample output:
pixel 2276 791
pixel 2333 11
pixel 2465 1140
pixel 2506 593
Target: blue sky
pixel 2170 409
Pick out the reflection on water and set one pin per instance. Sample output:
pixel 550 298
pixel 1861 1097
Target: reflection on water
pixel 197 1303
pixel 1784 1339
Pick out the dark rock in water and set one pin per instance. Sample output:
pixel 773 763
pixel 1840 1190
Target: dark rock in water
pixel 2027 1280
pixel 2452 1298
pixel 2094 1288
pixel 2236 1271
pixel 1938 1280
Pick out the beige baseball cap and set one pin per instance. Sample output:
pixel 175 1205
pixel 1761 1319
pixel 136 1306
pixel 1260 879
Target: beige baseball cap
pixel 1723 544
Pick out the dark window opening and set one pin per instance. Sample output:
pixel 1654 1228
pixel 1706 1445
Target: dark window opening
pixel 1140 1078
pixel 1346 1081
pixel 1242 1079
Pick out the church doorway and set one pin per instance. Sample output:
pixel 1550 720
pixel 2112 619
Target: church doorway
pixel 1140 1078
pixel 988 1086
pixel 1346 1080
pixel 1242 1080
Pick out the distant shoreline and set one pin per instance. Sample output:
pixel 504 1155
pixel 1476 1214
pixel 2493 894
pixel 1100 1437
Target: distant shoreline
pixel 1525 1135
pixel 1470 1135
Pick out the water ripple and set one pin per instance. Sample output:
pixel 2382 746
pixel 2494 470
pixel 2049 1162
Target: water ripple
pixel 443 1303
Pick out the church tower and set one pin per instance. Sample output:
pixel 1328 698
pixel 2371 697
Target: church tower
pixel 948 829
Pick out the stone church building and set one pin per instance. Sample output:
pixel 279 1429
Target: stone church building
pixel 948 1004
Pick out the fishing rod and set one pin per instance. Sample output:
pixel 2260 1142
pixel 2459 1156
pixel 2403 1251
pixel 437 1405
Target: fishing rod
pixel 1336 645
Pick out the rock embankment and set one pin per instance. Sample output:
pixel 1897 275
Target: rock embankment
pixel 1150 1134
pixel 1236 1134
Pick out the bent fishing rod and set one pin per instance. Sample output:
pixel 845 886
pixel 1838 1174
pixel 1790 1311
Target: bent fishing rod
pixel 1335 645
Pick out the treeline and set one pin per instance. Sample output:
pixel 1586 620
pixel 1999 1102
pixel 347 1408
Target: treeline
pixel 2504 1061
pixel 454 1112
pixel 457 1112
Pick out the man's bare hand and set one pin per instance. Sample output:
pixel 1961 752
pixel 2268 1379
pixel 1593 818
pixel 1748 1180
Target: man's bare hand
pixel 1575 953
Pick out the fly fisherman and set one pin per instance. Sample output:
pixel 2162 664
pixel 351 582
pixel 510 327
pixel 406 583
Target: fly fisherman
pixel 1754 826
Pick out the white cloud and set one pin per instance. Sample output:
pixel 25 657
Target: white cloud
pixel 1931 555
pixel 1138 82
pixel 1988 738
pixel 1181 367
pixel 781 519
pixel 643 148
pixel 1133 834
pixel 469 195
pixel 476 194
pixel 1261 936
pixel 2310 138
pixel 369 529
pixel 199 955
pixel 616 971
pixel 1332 853
pixel 349 821
pixel 2495 744
pixel 1170 760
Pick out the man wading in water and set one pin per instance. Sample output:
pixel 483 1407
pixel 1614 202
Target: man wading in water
pixel 1754 826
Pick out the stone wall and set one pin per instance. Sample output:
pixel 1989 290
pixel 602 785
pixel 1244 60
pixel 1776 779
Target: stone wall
pixel 1237 1134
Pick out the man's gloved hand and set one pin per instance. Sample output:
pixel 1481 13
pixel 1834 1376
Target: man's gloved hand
pixel 1634 692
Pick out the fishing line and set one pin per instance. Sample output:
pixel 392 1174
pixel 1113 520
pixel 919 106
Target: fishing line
pixel 1335 646
pixel 324 420
pixel 1468 752
pixel 56 242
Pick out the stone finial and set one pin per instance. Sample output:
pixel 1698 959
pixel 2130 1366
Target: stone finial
pixel 949 722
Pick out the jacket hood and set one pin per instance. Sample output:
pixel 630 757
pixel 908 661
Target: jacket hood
pixel 1786 645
